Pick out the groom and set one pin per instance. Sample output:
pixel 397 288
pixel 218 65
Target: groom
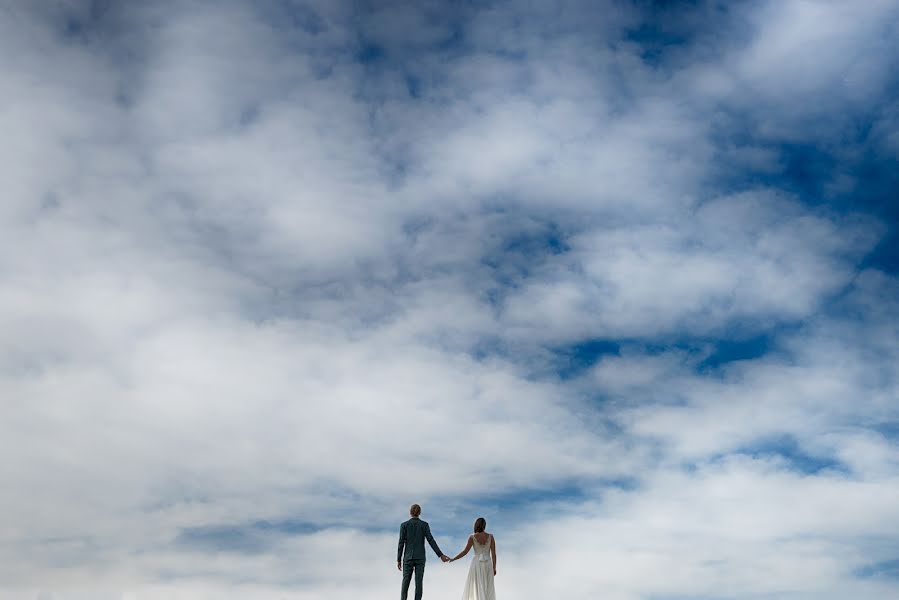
pixel 412 536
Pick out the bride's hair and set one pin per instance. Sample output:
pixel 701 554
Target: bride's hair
pixel 480 525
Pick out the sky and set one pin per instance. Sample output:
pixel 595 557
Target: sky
pixel 621 277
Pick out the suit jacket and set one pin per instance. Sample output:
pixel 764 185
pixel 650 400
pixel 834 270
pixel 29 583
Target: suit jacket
pixel 413 534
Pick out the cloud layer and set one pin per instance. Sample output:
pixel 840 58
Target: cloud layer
pixel 618 277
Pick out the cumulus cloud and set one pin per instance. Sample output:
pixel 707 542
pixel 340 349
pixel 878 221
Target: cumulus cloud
pixel 272 273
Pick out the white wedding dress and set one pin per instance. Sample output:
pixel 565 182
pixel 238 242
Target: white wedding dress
pixel 479 585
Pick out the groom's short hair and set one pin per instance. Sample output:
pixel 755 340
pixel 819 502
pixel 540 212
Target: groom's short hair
pixel 415 510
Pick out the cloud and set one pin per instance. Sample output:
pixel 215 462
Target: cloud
pixel 270 274
pixel 735 258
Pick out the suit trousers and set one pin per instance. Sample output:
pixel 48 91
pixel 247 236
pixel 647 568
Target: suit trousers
pixel 418 566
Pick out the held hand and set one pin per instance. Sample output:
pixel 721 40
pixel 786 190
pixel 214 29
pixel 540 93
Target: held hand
pixel 444 558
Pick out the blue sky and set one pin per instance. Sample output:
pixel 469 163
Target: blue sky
pixel 620 277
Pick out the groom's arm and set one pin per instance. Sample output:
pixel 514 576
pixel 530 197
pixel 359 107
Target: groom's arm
pixel 399 550
pixel 431 541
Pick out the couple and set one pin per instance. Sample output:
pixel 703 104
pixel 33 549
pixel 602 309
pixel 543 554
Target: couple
pixel 413 534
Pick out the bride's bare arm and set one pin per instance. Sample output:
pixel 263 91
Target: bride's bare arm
pixel 493 552
pixel 465 551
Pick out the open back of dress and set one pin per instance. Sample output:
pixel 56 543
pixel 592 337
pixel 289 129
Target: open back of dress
pixel 479 585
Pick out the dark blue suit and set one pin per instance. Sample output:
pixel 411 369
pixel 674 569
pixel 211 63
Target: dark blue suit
pixel 413 534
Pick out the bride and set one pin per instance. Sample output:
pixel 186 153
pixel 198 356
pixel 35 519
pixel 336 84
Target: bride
pixel 479 585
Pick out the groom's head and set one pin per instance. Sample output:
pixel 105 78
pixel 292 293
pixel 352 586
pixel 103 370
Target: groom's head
pixel 415 510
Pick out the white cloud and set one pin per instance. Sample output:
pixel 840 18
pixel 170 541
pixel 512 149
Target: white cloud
pixel 750 256
pixel 244 278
